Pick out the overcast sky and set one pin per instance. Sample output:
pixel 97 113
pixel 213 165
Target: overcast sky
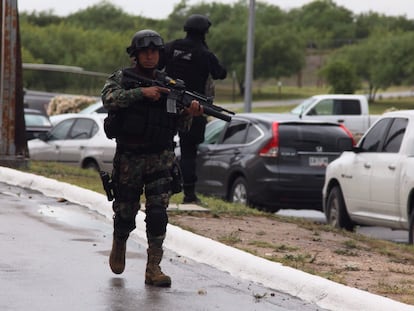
pixel 162 8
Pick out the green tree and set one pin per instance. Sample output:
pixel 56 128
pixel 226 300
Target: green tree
pixel 324 24
pixel 41 19
pixel 381 61
pixel 279 53
pixel 105 15
pixel 96 38
pixel 396 58
pixel 341 76
pixel 368 24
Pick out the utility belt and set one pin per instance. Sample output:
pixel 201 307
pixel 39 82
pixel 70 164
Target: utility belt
pixel 140 148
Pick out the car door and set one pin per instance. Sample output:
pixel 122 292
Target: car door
pixel 49 150
pixel 77 140
pixel 356 174
pixel 213 133
pixel 214 160
pixel 385 172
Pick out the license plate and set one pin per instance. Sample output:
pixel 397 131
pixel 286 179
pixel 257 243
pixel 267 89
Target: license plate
pixel 318 161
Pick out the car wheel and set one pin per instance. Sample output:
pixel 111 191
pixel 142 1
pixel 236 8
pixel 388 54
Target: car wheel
pixel 411 229
pixel 91 165
pixel 238 191
pixel 336 214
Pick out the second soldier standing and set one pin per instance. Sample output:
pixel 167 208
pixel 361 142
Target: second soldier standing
pixel 190 60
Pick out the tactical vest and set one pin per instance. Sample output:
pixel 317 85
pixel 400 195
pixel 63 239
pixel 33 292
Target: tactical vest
pixel 186 61
pixel 147 120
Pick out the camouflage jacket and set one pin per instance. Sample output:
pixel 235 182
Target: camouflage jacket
pixel 115 97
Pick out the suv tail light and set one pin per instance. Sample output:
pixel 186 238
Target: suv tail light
pixel 271 149
pixel 349 133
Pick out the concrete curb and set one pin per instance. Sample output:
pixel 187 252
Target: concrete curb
pixel 326 294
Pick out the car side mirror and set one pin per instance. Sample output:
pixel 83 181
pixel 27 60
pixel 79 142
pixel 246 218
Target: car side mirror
pixel 357 149
pixel 43 136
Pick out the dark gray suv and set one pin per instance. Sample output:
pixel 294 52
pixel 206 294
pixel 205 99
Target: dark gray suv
pixel 269 161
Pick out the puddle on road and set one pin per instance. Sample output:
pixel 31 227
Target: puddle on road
pixel 60 210
pixel 74 215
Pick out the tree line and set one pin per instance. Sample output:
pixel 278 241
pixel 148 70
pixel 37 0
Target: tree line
pixel 363 49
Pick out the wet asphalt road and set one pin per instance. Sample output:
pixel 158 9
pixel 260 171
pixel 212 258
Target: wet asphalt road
pixel 54 256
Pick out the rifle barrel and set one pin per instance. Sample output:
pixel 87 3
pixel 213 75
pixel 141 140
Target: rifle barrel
pixel 214 113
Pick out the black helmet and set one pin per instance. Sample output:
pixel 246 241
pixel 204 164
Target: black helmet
pixel 197 23
pixel 144 39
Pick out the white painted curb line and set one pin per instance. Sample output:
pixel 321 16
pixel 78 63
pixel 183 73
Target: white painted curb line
pixel 326 294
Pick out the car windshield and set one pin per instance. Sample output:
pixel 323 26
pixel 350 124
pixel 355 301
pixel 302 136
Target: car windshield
pixel 36 120
pixel 298 110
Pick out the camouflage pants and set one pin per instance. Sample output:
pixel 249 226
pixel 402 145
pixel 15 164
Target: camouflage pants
pixel 136 173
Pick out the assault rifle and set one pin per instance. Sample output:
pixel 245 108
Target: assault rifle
pixel 179 96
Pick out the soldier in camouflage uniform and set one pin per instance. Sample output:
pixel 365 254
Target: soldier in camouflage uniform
pixel 144 132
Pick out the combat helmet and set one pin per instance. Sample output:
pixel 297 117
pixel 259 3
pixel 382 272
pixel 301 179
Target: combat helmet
pixel 144 39
pixel 197 23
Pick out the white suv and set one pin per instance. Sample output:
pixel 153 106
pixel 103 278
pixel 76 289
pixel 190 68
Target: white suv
pixel 374 183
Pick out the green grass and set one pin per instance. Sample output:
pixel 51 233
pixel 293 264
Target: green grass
pixel 90 179
pixel 380 105
pixel 85 178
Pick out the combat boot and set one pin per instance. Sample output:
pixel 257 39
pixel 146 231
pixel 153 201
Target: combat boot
pixel 153 274
pixel 189 194
pixel 117 256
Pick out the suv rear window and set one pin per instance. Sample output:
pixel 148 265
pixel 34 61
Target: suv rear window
pixel 314 137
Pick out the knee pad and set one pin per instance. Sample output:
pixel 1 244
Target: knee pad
pixel 122 226
pixel 124 218
pixel 156 219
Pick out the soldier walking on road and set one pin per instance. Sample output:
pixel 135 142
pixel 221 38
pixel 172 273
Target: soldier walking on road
pixel 144 132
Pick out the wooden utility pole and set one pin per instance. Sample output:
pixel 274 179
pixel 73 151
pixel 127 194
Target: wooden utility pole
pixel 13 144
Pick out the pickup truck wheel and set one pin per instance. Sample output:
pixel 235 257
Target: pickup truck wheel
pixel 238 191
pixel 336 214
pixel 411 229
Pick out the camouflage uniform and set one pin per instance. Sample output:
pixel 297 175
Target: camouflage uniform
pixel 140 166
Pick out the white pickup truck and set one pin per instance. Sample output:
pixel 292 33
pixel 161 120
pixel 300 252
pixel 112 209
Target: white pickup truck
pixel 374 183
pixel 350 110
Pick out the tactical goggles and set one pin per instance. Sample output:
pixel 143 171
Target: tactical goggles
pixel 146 42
